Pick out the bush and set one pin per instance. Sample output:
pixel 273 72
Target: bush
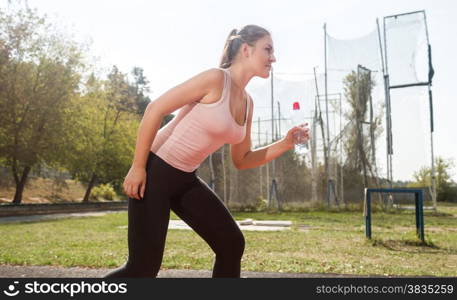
pixel 448 194
pixel 103 191
pixel 261 204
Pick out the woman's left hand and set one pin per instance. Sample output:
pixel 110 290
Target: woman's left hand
pixel 289 138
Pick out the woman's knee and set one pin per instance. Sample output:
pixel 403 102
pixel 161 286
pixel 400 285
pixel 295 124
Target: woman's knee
pixel 233 247
pixel 241 244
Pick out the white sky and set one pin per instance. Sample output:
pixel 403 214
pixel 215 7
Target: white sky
pixel 173 40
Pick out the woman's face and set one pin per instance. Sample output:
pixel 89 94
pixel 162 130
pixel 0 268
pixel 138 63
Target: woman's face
pixel 263 56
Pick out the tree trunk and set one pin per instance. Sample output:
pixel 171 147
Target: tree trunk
pixel 89 188
pixel 20 185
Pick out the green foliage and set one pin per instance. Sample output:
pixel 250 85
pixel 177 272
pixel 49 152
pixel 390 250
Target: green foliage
pixel 261 203
pixel 40 71
pixel 448 193
pixel 103 191
pixel 294 178
pixel 140 87
pixel 55 111
pixel 446 189
pixel 103 126
pixel 357 91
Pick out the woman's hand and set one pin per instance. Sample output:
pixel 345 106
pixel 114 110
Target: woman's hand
pixel 135 182
pixel 289 139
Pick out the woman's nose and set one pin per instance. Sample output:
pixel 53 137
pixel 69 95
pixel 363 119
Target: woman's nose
pixel 273 58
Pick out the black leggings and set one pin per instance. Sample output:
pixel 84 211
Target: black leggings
pixel 196 204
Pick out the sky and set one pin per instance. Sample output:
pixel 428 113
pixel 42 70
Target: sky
pixel 173 40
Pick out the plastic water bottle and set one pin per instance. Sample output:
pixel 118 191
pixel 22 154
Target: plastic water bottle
pixel 298 119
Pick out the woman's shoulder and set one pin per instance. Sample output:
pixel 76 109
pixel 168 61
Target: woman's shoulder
pixel 214 81
pixel 212 78
pixel 215 74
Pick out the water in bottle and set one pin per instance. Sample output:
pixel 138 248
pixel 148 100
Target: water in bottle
pixel 298 119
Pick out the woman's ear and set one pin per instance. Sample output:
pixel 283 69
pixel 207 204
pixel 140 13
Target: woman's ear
pixel 246 50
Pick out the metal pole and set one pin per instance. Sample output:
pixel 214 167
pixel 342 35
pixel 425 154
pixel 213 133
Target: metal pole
pixel 421 216
pixel 318 115
pixel 272 108
pixel 432 152
pixel 367 213
pixel 326 91
pixel 404 14
pixel 326 111
pixel 261 167
pixel 267 166
pixel 273 169
pixel 341 156
pixel 314 144
pixel 278 135
pixel 416 198
pixel 432 129
pixel 388 109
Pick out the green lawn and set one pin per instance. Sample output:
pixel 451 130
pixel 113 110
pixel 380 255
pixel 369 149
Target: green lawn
pixel 319 242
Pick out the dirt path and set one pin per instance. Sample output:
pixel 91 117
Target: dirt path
pixel 10 271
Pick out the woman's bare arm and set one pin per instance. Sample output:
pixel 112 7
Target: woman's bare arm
pixel 187 92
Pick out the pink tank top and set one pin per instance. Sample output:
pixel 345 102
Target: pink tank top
pixel 198 130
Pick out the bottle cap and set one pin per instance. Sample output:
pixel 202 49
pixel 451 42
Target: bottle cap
pixel 296 105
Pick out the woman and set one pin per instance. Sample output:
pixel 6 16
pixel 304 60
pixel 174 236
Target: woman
pixel 215 110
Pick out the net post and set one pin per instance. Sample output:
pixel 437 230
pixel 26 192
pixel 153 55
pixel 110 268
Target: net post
pixel 421 215
pixel 417 205
pixel 368 213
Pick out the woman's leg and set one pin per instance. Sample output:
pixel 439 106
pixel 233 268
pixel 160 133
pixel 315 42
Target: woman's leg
pixel 148 224
pixel 205 213
pixel 147 229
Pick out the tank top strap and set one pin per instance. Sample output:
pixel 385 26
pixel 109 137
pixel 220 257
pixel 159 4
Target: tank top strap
pixel 248 106
pixel 227 84
pixel 226 92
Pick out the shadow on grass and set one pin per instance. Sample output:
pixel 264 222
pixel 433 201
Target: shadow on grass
pixel 438 214
pixel 412 246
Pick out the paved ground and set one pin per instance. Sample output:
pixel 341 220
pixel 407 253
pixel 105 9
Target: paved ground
pixel 8 271
pixel 247 224
pixel 36 218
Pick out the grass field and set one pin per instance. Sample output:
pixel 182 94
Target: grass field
pixel 319 242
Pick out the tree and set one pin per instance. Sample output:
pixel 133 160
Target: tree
pixel 140 87
pixel 359 144
pixel 39 74
pixel 103 126
pixel 444 184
